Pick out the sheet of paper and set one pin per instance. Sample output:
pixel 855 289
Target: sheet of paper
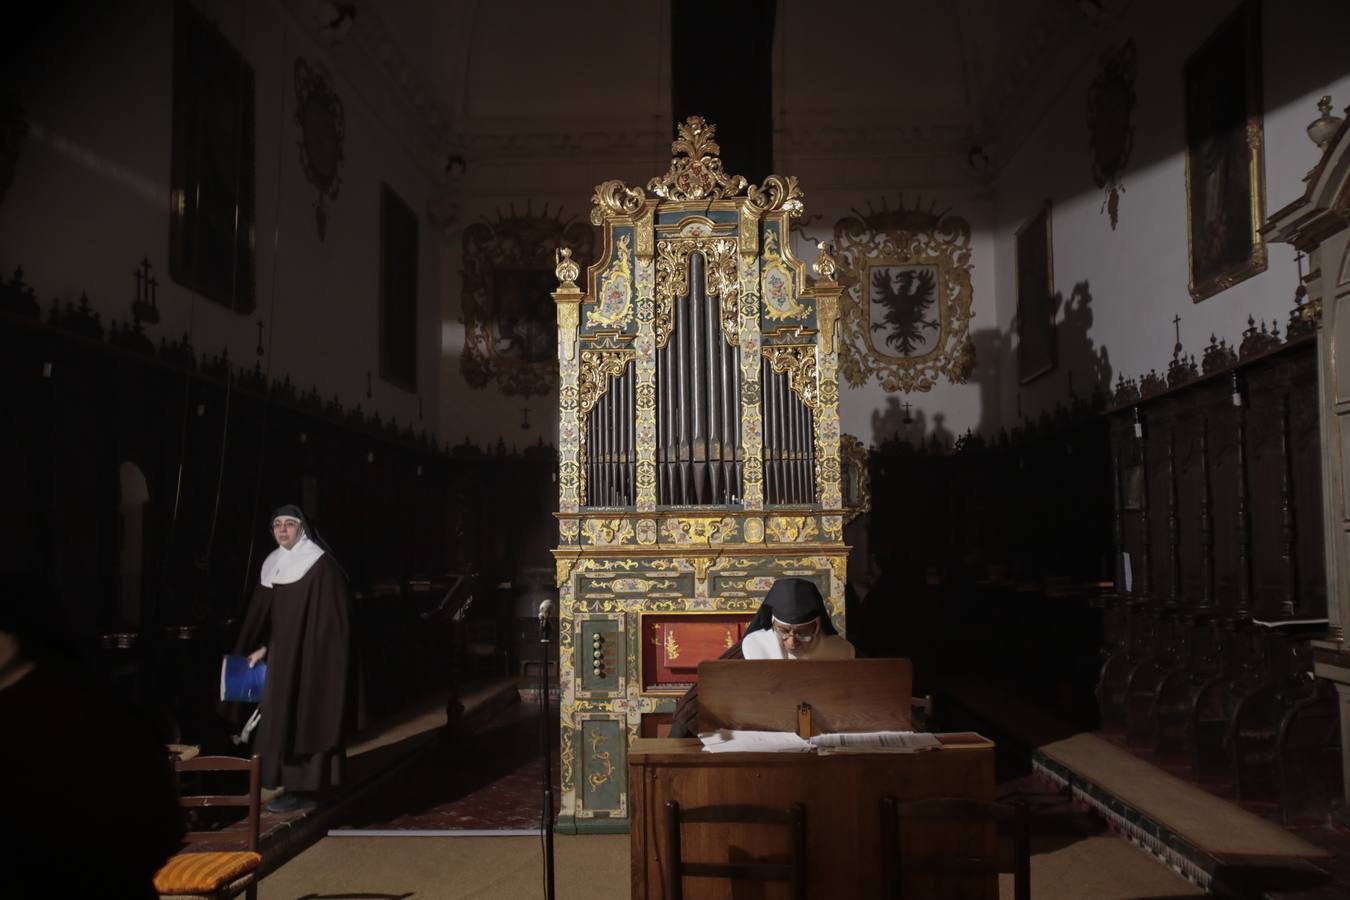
pixel 1129 572
pixel 876 742
pixel 727 741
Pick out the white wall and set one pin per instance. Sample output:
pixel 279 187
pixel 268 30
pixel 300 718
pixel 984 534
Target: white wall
pixel 1137 274
pixel 91 198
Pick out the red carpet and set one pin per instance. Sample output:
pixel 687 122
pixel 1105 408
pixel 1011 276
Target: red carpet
pixel 491 780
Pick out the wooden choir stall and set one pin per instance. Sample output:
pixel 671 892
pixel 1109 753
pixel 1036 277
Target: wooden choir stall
pixel 698 813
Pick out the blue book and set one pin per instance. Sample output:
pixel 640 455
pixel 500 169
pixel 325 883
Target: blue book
pixel 239 683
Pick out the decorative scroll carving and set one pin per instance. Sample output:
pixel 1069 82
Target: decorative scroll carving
pixel 778 192
pixel 607 532
pixel 672 280
pixel 698 175
pixel 791 529
pixel 603 757
pixel 905 312
pixel 614 198
pixel 799 362
pixel 598 368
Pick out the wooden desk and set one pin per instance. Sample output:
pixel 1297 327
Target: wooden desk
pixel 842 794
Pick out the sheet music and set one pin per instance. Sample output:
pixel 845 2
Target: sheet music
pixel 728 741
pixel 875 742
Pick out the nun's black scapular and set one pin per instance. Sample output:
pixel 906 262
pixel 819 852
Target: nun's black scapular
pixel 301 611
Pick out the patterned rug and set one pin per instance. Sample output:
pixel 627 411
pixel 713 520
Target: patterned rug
pixel 490 781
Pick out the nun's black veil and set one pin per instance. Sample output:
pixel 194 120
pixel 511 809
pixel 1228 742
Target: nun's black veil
pixel 792 601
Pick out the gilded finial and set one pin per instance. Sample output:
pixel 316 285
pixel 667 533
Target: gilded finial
pixel 825 265
pixel 696 171
pixel 567 270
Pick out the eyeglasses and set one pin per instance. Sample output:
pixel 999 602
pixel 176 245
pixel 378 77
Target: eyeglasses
pixel 803 634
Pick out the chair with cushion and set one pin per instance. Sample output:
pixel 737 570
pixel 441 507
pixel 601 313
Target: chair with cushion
pixel 896 815
pixel 792 871
pixel 217 873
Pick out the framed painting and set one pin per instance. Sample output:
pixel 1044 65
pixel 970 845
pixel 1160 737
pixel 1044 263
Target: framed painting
pixel 211 198
pixel 398 291
pixel 1225 172
pixel 1034 274
pixel 510 320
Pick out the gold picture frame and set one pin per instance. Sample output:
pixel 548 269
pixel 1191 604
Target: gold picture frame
pixel 1225 156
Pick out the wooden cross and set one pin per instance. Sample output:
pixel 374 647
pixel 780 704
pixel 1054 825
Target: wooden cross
pixel 524 418
pixel 907 420
pixel 1176 323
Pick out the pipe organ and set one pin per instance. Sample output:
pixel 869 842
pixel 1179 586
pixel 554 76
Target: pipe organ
pixel 698 449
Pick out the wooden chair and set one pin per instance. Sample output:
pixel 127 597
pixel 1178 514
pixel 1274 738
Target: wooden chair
pixel 215 873
pixel 894 815
pixel 792 871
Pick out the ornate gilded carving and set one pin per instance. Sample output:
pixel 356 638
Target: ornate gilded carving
pixel 672 647
pixel 825 265
pixel 614 198
pixel 672 281
pixel 608 532
pixel 791 529
pixel 564 571
pixel 567 324
pixel 777 192
pixel 598 368
pixel 698 174
pixel 614 305
pixel 701 565
pixel 906 306
pixel 646 531
pixel 754 530
pixel 857 479
pixel 777 286
pixel 799 362
pixel 698 530
pixel 565 268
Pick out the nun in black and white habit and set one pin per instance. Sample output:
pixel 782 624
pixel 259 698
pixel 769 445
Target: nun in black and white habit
pixel 791 623
pixel 299 620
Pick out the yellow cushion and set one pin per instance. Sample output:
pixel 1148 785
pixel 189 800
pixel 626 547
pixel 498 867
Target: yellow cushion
pixel 202 873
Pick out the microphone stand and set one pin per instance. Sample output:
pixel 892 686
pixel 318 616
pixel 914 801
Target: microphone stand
pixel 546 742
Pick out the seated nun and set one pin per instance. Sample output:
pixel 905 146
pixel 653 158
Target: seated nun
pixel 791 623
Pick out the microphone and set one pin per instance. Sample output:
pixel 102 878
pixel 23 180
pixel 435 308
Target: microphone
pixel 545 609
